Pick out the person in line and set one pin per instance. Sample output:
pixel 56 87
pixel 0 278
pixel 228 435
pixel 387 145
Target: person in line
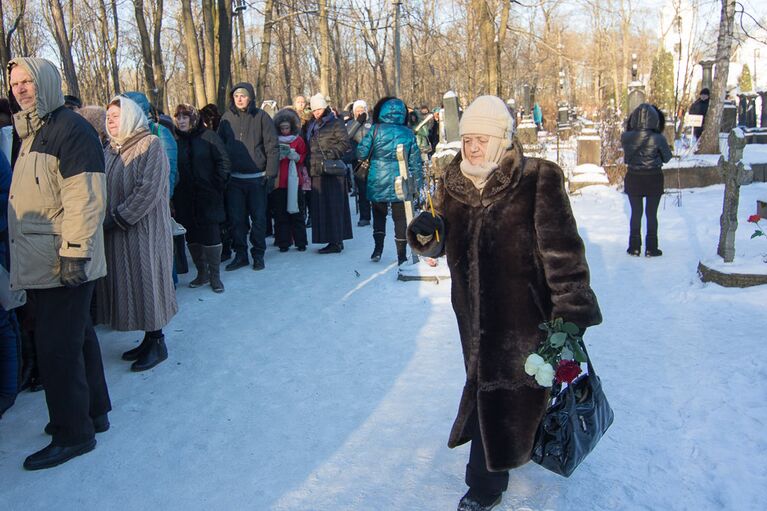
pixel 204 168
pixel 330 212
pixel 700 107
pixel 138 292
pixel 289 226
pixel 357 127
pixel 96 117
pixel 388 131
pixel 9 334
pixel 645 150
pixel 250 139
pixel 505 223
pixel 56 208
pixel 72 102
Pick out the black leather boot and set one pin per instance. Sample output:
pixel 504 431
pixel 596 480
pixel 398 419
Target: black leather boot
pixel 155 353
pixel 136 352
pixel 240 261
pixel 474 501
pixel 652 250
pixel 198 256
pixel 213 257
pixel 401 251
pixel 635 245
pixel 378 239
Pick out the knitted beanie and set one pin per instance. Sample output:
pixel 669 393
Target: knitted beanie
pixel 318 102
pixel 360 103
pixel 488 115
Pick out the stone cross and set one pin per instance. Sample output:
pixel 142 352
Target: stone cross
pixel 733 172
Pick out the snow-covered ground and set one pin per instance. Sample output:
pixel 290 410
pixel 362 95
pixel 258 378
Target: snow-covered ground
pixel 323 383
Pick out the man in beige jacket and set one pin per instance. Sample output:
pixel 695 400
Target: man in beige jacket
pixel 55 211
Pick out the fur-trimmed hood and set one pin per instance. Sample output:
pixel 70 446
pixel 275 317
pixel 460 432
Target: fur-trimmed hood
pixel 288 115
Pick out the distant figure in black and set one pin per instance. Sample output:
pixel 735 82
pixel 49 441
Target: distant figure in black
pixel 645 151
pixel 700 107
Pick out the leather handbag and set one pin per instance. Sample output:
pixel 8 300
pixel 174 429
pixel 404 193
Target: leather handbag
pixel 363 167
pixel 334 168
pixel 573 424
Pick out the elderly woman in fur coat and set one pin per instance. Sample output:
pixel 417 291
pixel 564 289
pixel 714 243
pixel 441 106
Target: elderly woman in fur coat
pixel 138 292
pixel 516 260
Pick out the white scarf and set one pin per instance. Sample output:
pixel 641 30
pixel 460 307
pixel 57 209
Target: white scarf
pixel 292 206
pixel 479 174
pixel 132 120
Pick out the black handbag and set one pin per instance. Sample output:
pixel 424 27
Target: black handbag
pixel 363 167
pixel 334 168
pixel 573 424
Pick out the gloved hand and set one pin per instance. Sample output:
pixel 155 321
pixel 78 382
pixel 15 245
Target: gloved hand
pixel 73 271
pixel 361 118
pixel 109 222
pixel 425 224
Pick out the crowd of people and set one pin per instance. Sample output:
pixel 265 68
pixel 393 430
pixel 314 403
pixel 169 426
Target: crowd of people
pixel 96 196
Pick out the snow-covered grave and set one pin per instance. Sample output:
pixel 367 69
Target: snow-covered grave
pixel 323 383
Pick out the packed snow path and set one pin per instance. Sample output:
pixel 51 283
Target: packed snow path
pixel 322 383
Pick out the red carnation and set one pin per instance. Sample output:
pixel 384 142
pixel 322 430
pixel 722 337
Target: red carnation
pixel 754 218
pixel 567 371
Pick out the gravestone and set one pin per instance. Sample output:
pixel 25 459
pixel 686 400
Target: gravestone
pixel 729 117
pixel 751 110
pixel 636 95
pixel 527 133
pixel 450 118
pixel 733 173
pixel 742 108
pixel 270 107
pixel 763 116
pixel 707 82
pixel 589 147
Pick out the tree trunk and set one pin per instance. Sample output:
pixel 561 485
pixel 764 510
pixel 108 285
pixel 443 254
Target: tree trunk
pixel 65 48
pixel 486 22
pixel 193 51
pixel 113 47
pixel 208 43
pixel 325 50
pixel 5 41
pixel 157 62
pixel 242 44
pixel 146 47
pixel 709 142
pixel 266 48
pixel 224 52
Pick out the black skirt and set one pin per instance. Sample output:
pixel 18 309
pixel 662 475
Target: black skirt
pixel 331 215
pixel 644 183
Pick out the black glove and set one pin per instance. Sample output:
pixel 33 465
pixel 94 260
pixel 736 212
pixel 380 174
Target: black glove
pixel 73 271
pixel 361 118
pixel 425 224
pixel 109 222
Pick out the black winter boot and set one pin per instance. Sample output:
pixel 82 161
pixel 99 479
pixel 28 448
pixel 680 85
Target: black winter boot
pixel 136 352
pixel 401 251
pixel 378 239
pixel 240 261
pixel 635 245
pixel 198 256
pixel 155 353
pixel 474 501
pixel 213 257
pixel 652 250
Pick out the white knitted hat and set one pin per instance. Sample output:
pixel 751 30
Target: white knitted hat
pixel 318 102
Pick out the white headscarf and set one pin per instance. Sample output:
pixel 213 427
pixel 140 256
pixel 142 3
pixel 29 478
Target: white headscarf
pixel 132 120
pixel 487 116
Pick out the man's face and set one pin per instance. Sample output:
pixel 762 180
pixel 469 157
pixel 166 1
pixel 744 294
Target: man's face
pixel 23 87
pixel 300 103
pixel 241 101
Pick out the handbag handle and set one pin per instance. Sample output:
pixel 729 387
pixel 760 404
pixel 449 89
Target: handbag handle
pixel 372 142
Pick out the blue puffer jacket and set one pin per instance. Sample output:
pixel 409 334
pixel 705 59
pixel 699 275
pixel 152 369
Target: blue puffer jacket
pixel 166 137
pixel 390 130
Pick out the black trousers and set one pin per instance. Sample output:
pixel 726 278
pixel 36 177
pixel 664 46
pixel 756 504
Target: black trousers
pixel 362 197
pixel 651 212
pixel 288 227
pixel 69 359
pixel 478 477
pixel 398 215
pixel 246 200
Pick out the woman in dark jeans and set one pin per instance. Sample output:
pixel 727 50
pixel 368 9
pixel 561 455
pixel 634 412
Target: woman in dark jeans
pixel 380 145
pixel 645 150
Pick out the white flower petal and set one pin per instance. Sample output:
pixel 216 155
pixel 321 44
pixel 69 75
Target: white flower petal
pixel 533 362
pixel 545 375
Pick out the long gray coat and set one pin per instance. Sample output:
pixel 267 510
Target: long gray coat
pixel 138 292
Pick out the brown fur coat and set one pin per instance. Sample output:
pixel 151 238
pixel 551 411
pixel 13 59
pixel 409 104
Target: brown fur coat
pixel 515 260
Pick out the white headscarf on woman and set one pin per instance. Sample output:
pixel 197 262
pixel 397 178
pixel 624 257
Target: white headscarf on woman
pixel 488 116
pixel 132 120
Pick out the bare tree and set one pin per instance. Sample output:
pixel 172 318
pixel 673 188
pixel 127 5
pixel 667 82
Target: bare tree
pixel 225 51
pixel 65 48
pixel 709 142
pixel 193 53
pixel 266 46
pixel 5 39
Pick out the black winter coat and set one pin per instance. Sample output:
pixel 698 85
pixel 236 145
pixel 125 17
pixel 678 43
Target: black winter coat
pixel 328 140
pixel 645 150
pixel 203 171
pixel 699 107
pixel 250 137
pixel 516 260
